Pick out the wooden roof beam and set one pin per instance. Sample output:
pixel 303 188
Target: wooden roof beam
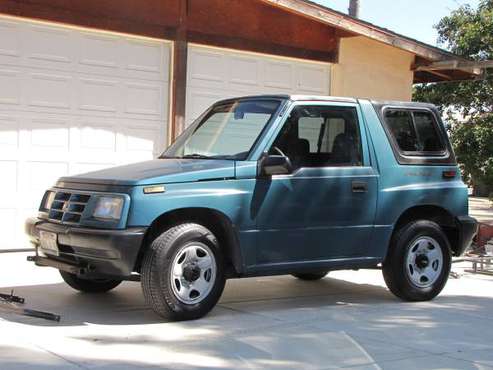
pixel 476 68
pixel 441 75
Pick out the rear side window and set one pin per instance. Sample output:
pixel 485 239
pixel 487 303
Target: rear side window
pixel 415 132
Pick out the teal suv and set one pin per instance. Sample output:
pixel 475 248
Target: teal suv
pixel 266 185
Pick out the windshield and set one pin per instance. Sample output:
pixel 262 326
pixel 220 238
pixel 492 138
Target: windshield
pixel 228 131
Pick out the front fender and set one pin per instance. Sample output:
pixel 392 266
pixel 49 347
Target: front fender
pixel 230 197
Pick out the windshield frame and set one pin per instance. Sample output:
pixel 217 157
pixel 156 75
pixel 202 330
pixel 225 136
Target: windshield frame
pixel 190 130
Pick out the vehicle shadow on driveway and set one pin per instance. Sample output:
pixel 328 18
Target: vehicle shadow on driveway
pixel 280 298
pixel 125 305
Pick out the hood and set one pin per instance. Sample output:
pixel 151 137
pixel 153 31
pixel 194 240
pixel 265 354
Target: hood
pixel 158 171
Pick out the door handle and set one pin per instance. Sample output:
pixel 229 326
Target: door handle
pixel 359 186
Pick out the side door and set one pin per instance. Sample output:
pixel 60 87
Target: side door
pixel 325 208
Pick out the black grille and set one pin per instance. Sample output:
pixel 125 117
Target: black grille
pixel 67 207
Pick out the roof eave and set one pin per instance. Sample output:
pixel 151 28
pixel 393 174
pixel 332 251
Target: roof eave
pixel 362 28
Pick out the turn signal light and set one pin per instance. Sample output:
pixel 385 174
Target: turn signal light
pixel 449 174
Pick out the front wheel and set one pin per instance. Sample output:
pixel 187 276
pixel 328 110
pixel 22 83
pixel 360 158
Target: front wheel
pixel 89 285
pixel 419 261
pixel 183 272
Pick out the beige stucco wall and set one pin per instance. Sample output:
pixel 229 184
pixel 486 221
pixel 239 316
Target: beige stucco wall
pixel 369 69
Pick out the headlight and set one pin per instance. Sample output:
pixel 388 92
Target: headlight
pixel 109 208
pixel 48 199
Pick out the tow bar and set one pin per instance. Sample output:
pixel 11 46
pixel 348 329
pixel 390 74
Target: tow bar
pixel 11 303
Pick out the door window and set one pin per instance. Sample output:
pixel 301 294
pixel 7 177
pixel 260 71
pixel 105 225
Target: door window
pixel 320 136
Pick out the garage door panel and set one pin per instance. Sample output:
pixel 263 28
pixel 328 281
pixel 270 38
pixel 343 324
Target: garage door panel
pixel 147 59
pixel 9 42
pixel 216 74
pixel 312 80
pixel 278 75
pixel 73 101
pixel 68 49
pixel 9 133
pixel 97 94
pixel 140 143
pixel 9 170
pixel 84 167
pixel 47 47
pixel 10 88
pixel 82 94
pixel 94 141
pixel 207 69
pixel 49 90
pixel 244 71
pixel 95 136
pixel 99 50
pixel 144 98
pixel 47 134
pixel 9 228
pixel 39 176
pixel 198 101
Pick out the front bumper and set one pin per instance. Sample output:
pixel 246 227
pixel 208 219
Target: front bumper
pixel 94 252
pixel 468 227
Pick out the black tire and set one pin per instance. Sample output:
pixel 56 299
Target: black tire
pixel 397 271
pixel 311 276
pixel 89 285
pixel 157 269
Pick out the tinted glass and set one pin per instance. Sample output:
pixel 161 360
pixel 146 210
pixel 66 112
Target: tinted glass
pixel 426 129
pixel 321 136
pixel 414 131
pixel 401 126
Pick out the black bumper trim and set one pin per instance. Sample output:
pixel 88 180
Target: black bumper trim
pixel 107 252
pixel 468 227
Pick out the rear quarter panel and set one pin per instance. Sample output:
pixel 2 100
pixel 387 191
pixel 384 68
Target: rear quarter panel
pixel 405 186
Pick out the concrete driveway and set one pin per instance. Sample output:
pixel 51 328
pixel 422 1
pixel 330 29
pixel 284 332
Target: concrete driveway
pixel 347 320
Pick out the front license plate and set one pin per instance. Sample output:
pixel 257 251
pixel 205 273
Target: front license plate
pixel 48 242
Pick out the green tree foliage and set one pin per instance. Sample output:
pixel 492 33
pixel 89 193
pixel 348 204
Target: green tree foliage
pixel 469 104
pixel 473 143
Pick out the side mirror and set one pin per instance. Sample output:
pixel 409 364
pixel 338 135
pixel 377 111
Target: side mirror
pixel 275 165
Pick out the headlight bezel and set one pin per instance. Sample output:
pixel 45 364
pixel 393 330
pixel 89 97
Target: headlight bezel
pixel 47 201
pixel 109 206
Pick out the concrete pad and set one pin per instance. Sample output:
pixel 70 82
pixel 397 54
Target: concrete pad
pixel 432 363
pixel 346 320
pixel 482 357
pixel 481 209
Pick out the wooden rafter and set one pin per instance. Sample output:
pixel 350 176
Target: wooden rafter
pixel 474 67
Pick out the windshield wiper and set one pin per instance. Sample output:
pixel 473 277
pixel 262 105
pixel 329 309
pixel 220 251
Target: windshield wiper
pixel 196 156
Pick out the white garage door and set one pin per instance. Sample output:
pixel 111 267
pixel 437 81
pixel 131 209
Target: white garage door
pixel 73 100
pixel 215 74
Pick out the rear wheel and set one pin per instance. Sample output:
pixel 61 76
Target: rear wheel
pixel 183 272
pixel 312 276
pixel 419 261
pixel 89 285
